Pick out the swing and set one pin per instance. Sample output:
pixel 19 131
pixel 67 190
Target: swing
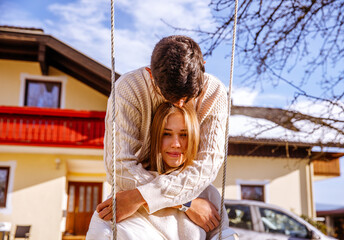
pixel 113 183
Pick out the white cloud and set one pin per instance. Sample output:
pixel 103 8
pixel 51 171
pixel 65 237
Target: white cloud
pixel 130 51
pixel 134 46
pixel 85 25
pixel 180 13
pixel 82 24
pixel 244 96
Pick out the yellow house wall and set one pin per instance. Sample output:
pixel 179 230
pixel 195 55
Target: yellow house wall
pixel 39 194
pixel 78 96
pixel 10 79
pixel 288 181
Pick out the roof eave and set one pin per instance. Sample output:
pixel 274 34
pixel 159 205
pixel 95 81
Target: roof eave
pixel 33 45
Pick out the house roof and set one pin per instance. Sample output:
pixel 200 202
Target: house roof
pixel 32 44
pixel 328 209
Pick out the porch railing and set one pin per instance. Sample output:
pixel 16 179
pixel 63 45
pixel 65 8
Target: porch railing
pixel 51 127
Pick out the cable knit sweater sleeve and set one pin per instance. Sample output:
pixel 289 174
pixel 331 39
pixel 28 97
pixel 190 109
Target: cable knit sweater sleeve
pixel 135 105
pixel 132 120
pixel 176 189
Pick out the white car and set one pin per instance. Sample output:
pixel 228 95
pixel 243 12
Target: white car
pixel 254 220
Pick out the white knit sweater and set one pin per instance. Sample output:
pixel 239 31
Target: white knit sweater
pixel 136 102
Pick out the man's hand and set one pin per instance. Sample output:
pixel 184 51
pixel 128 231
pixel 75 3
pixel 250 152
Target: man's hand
pixel 105 209
pixel 204 214
pixel 127 203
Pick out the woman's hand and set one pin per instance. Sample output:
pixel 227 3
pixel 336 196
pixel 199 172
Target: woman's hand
pixel 204 214
pixel 127 203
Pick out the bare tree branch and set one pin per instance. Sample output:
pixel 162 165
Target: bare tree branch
pixel 276 37
pixel 286 118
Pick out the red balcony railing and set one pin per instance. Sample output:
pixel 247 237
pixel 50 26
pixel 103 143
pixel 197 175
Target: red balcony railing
pixel 51 127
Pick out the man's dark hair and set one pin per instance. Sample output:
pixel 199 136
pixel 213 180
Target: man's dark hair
pixel 177 67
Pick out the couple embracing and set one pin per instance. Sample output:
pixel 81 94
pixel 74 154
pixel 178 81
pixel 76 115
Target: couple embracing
pixel 170 138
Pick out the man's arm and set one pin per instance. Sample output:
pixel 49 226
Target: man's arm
pixel 204 214
pixel 133 113
pixel 129 119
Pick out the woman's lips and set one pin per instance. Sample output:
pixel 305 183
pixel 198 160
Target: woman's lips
pixel 174 154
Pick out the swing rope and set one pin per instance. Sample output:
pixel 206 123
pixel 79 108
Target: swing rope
pixel 113 132
pixel 113 179
pixel 229 113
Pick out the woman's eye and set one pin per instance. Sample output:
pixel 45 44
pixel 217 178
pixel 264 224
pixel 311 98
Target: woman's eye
pixel 166 134
pixel 184 134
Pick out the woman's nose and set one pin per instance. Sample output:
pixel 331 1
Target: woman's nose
pixel 176 142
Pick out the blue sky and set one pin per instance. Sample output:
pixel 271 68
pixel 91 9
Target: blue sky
pixel 85 25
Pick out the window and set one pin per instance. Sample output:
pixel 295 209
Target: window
pixel 4 177
pixel 252 192
pixel 239 216
pixel 42 93
pixel 278 222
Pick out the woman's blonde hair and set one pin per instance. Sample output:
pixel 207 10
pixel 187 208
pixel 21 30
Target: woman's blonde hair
pixel 157 130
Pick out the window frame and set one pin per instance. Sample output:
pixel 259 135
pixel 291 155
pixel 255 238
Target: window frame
pixel 6 185
pixel 250 185
pixel 28 81
pixel 263 183
pixel 12 166
pixel 24 78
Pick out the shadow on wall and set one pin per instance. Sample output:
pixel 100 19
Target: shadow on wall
pixel 34 169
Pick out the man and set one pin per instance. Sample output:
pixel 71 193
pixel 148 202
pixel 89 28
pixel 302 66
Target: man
pixel 176 75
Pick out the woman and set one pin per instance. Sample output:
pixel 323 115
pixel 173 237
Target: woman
pixel 174 145
pixel 174 138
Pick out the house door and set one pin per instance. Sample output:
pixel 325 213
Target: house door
pixel 83 198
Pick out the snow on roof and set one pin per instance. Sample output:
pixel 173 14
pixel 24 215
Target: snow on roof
pixel 305 131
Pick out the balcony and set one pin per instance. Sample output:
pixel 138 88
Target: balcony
pixel 51 127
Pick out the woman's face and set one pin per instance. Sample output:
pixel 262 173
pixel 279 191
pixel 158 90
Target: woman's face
pixel 174 141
